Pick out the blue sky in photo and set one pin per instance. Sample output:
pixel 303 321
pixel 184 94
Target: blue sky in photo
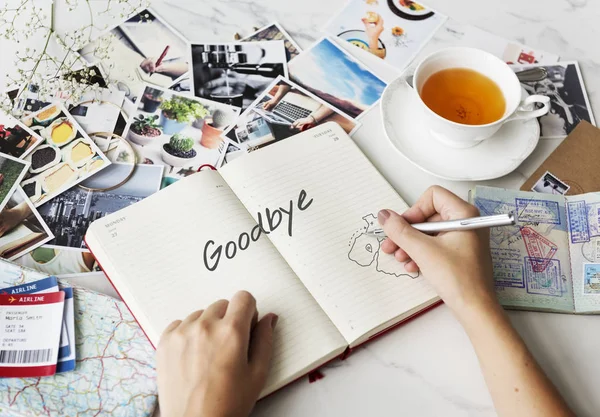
pixel 327 68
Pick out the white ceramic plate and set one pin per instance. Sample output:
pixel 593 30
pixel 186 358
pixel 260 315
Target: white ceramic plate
pixel 403 124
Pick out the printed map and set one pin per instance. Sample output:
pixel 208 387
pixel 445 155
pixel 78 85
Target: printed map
pixel 115 373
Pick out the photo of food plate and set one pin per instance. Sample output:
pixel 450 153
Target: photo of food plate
pixel 393 31
pixel 65 157
pixel 410 10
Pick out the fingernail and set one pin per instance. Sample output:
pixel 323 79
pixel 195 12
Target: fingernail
pixel 274 321
pixel 382 216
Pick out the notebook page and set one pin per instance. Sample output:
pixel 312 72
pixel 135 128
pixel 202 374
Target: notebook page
pixel 357 285
pixel 16 237
pixel 532 269
pixel 153 253
pixel 583 212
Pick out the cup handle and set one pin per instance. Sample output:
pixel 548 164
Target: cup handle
pixel 526 111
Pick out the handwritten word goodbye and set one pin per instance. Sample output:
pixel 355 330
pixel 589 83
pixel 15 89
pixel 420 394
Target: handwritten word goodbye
pixel 213 252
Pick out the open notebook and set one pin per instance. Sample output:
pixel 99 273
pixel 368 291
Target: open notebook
pixel 198 240
pixel 25 234
pixel 550 260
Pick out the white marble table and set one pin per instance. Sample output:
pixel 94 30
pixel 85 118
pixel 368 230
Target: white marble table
pixel 427 367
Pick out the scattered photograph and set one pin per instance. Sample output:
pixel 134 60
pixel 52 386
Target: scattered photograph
pixel 12 274
pixel 21 227
pixel 16 139
pixel 95 109
pixel 142 49
pixel 69 215
pixel 87 96
pixel 550 184
pixel 394 31
pixel 569 102
pixel 12 172
pixel 55 261
pixel 334 76
pixel 93 281
pixel 274 32
pixel 233 151
pixel 236 73
pixel 179 132
pixel 65 157
pixel 591 279
pixel 283 110
pixel 458 34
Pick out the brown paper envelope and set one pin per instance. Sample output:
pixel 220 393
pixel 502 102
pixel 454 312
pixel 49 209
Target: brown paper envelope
pixel 575 162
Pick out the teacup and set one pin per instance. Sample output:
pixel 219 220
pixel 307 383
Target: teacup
pixel 460 135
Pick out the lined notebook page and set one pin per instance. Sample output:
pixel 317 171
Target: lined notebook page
pixel 153 253
pixel 358 286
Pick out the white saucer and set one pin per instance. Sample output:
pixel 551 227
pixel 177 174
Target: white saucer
pixel 403 124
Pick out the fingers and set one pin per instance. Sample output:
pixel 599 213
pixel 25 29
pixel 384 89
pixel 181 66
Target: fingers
pixel 388 246
pixel 261 347
pixel 241 310
pixel 171 327
pixel 411 266
pixel 438 200
pixel 192 317
pixel 216 310
pixel 398 230
pixel 401 255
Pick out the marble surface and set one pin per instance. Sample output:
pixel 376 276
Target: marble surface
pixel 427 367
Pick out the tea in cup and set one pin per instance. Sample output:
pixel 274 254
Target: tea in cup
pixel 468 94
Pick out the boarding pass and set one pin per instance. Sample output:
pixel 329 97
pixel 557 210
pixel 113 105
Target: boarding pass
pixel 30 329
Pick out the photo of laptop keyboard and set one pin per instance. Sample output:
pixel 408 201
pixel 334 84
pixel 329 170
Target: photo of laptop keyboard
pixel 290 111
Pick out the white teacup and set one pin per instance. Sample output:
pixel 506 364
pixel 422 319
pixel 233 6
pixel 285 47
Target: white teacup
pixel 460 135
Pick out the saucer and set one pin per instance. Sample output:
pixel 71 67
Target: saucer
pixel 402 115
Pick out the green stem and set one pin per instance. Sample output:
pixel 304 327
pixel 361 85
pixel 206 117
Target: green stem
pixel 52 16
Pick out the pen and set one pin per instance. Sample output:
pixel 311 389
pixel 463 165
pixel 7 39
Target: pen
pixel 461 224
pixel 161 57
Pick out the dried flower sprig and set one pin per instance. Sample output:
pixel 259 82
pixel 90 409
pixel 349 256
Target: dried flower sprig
pixel 47 69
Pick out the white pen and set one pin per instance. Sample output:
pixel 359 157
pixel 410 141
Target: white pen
pixel 461 224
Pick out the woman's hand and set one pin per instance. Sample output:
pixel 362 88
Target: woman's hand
pixel 10 217
pixel 215 362
pixel 373 32
pixel 458 264
pixel 270 104
pixel 148 65
pixel 303 123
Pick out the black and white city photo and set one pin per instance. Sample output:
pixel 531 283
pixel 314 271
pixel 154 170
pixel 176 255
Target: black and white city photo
pixel 70 214
pixel 569 102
